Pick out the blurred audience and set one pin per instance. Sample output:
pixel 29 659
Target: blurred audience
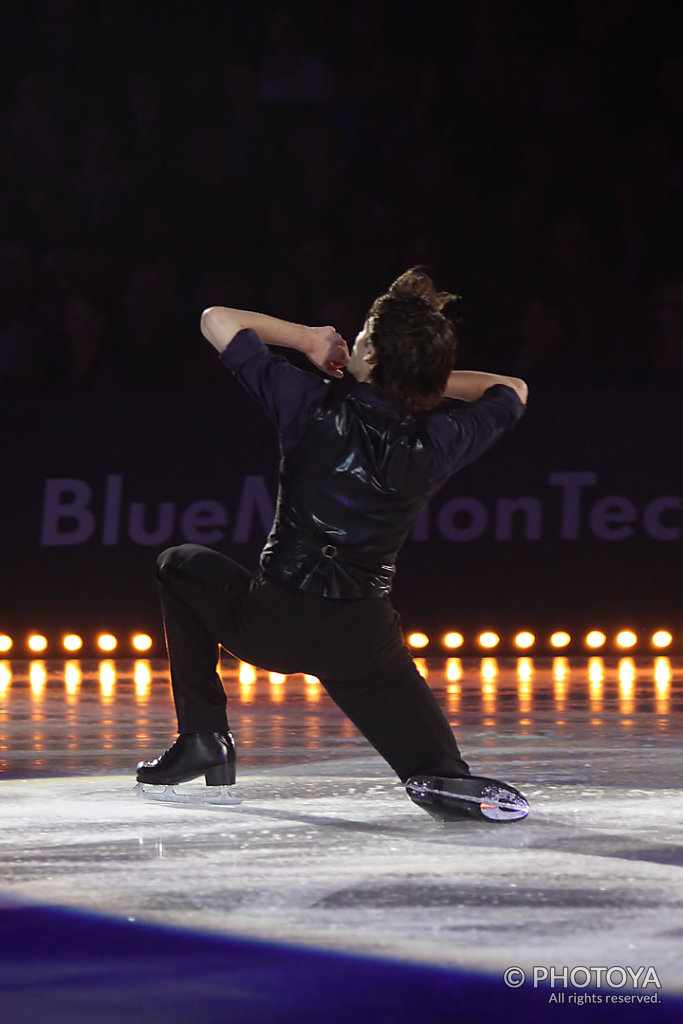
pixel 156 159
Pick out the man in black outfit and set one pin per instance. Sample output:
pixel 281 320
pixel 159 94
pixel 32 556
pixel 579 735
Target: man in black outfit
pixel 361 454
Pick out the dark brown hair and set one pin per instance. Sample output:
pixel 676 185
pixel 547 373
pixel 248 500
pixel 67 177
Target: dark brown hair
pixel 414 342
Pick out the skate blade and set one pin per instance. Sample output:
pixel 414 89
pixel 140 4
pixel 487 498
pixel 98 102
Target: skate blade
pixel 494 804
pixel 504 808
pixel 213 796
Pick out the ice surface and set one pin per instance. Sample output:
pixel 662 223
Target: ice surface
pixel 327 849
pixel 347 862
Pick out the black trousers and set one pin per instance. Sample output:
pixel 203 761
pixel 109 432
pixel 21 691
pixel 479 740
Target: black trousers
pixel 354 647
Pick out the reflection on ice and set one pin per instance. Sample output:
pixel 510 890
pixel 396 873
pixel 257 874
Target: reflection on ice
pixel 106 715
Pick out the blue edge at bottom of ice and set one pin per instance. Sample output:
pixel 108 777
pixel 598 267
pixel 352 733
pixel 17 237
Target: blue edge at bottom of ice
pixel 68 967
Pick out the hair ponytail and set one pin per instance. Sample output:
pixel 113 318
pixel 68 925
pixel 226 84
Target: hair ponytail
pixel 416 282
pixel 414 342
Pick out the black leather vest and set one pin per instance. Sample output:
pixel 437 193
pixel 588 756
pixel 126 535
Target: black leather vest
pixel 350 491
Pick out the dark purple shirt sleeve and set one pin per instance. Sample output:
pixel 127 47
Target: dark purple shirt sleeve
pixel 460 431
pixel 284 392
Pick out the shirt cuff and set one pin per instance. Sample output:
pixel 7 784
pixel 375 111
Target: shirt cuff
pixel 241 349
pixel 503 394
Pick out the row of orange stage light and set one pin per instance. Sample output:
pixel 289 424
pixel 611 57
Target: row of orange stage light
pixel 73 643
pixel 138 643
pixel 594 640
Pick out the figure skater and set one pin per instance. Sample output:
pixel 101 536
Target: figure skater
pixel 362 452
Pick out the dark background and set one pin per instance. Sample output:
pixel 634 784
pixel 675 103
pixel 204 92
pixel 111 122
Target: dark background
pixel 204 448
pixel 158 158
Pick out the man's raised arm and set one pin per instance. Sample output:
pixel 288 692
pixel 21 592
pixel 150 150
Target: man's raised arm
pixel 469 385
pixel 325 348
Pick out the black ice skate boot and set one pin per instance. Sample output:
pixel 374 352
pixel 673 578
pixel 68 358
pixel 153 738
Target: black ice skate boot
pixel 470 796
pixel 211 754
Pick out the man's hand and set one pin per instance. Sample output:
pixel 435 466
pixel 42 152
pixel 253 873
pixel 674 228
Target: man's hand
pixel 327 350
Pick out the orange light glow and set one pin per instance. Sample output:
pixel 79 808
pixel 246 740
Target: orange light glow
pixel 489 640
pixel 37 643
pixel 72 677
pixel 662 673
pixel 453 691
pixel 142 674
pixel 525 669
pixel 107 642
pixel 107 688
pixel 662 685
pixel 560 669
pixel 524 640
pixel 418 640
pixel 277 689
pixel 421 666
pixel 489 669
pixel 596 686
pixel 524 692
pixel 5 677
pixel 246 674
pixel 5 643
pixel 626 673
pixel 560 639
pixel 626 638
pixel 142 642
pixel 107 675
pixel 453 640
pixel 37 676
pixel 72 642
pixel 313 688
pixel 596 639
pixel 596 670
pixel 453 670
pixel 662 638
pixel 489 673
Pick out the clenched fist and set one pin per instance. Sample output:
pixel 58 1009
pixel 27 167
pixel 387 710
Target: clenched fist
pixel 327 350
